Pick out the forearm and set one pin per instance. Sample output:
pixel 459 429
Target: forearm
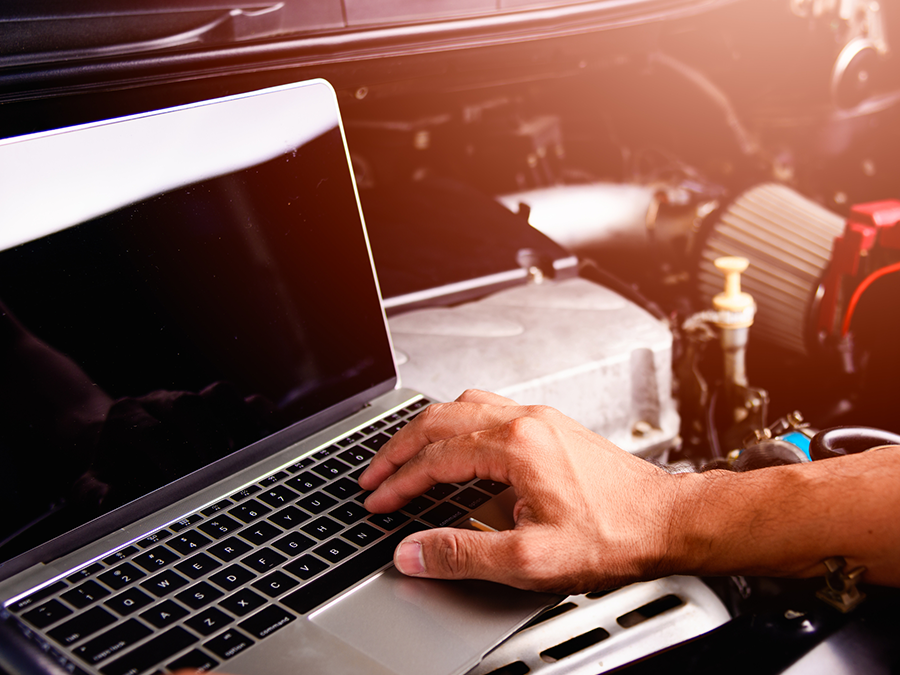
pixel 784 521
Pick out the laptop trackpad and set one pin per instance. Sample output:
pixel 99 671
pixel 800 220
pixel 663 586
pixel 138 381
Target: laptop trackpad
pixel 447 626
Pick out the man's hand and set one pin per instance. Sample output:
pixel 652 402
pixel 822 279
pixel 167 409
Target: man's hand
pixel 588 514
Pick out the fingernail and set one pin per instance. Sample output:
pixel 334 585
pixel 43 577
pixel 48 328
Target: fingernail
pixel 408 558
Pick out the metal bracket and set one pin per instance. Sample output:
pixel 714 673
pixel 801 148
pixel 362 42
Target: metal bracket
pixel 841 591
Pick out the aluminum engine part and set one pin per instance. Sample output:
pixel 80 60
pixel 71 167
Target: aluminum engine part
pixel 570 344
pixel 584 217
pixel 588 634
pixel 788 240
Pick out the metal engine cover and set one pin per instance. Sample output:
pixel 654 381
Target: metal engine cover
pixel 570 344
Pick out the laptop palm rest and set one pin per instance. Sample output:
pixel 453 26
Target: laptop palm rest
pixel 447 625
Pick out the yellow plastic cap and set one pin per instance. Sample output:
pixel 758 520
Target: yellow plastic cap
pixel 733 301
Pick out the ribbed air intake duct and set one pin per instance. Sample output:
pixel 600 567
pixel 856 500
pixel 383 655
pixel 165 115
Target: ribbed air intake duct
pixel 788 240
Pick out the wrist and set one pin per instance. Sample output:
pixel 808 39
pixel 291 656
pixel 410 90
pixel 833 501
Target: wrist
pixel 691 538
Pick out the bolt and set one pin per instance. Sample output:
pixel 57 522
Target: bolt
pixel 641 428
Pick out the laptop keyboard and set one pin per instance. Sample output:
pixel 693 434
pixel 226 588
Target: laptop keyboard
pixel 210 585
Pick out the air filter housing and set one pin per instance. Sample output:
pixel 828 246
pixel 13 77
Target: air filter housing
pixel 788 240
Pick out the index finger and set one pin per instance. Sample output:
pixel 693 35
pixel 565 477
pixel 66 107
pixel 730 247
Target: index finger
pixel 459 459
pixel 437 422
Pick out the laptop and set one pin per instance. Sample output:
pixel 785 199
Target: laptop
pixel 196 370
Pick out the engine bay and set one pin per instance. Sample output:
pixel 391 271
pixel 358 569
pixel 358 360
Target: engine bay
pixel 767 139
pixel 684 232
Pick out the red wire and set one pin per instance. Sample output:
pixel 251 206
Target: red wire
pixel 868 281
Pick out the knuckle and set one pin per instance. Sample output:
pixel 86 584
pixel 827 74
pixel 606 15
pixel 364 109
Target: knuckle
pixel 429 413
pixel 526 428
pixel 471 394
pixel 453 556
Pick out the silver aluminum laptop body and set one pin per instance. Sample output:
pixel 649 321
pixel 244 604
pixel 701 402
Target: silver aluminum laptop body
pixel 189 302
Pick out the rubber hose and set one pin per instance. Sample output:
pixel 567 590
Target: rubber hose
pixel 839 441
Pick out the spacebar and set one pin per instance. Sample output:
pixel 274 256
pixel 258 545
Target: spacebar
pixel 348 573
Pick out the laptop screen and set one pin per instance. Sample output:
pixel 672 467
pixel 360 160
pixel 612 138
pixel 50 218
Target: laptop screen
pixel 183 325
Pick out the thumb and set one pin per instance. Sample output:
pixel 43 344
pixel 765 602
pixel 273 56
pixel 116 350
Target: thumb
pixel 452 553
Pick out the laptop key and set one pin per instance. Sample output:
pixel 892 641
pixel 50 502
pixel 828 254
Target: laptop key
pixel 275 584
pixel 209 621
pixel 444 514
pixel 164 583
pixel 263 560
pixel 246 492
pixel 219 526
pixel 343 488
pixel 200 595
pixel 331 468
pixel 112 641
pixel 243 602
pixel 375 442
pixel 369 560
pixel 349 440
pixel 293 544
pixel 83 595
pixel 389 521
pixel 317 502
pixel 362 535
pixel 356 455
pixel 150 653
pixel 84 573
pixel 215 508
pixel 491 486
pixel 197 566
pixel 322 528
pixel 196 660
pixel 34 598
pixel 232 577
pixel 349 513
pixel 164 614
pixel 189 542
pixel 305 482
pixel 289 517
pixel 395 428
pixel 154 539
pixel 185 522
pixel 81 626
pixel 260 533
pixel 121 576
pixel 229 549
pixel 326 452
pixel 299 465
pixel 249 511
pixel 264 623
pixel 156 558
pixel 128 601
pixel 471 498
pixel 278 496
pixel 229 644
pixel 375 426
pixel 417 505
pixel 335 550
pixel 306 567
pixel 269 481
pixel 441 490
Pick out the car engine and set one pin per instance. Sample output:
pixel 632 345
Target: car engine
pixel 682 231
pixel 728 196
